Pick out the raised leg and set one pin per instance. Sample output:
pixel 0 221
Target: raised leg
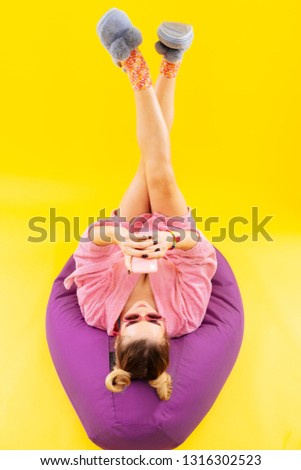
pixel 165 91
pixel 154 143
pixel 155 173
pixel 153 126
pixel 136 200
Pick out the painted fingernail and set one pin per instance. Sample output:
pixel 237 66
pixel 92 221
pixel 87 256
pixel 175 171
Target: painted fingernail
pixel 157 249
pixel 144 256
pixel 155 242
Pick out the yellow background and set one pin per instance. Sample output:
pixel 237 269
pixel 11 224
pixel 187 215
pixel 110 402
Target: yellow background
pixel 68 142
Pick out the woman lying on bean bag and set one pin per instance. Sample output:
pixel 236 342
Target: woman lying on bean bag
pixel 144 274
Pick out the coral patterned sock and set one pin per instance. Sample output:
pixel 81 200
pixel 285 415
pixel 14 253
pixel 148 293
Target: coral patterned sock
pixel 137 69
pixel 169 69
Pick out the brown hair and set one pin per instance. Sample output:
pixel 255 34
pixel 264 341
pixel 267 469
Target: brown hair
pixel 141 359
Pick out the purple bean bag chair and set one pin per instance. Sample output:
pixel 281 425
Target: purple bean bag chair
pixel 200 363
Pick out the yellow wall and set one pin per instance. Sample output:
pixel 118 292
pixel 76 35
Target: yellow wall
pixel 68 142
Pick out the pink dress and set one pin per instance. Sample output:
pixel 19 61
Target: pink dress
pixel 181 287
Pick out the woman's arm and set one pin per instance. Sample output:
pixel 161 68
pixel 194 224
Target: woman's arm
pixel 195 270
pixel 189 241
pixel 164 242
pixel 103 235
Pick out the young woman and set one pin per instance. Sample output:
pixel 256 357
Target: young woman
pixel 144 310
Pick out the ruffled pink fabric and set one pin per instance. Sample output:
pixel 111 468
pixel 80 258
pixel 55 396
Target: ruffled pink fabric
pixel 181 286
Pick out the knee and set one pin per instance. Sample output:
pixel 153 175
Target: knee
pixel 161 178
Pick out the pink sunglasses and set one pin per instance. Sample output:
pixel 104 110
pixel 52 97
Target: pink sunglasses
pixel 136 317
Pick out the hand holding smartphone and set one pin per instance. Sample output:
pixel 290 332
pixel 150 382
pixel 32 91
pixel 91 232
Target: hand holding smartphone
pixel 143 265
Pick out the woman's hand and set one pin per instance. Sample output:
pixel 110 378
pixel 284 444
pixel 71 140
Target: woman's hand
pixel 159 247
pixel 148 249
pixel 133 245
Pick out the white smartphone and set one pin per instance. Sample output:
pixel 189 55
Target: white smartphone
pixel 144 265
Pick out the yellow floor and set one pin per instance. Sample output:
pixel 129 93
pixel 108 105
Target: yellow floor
pixel 69 144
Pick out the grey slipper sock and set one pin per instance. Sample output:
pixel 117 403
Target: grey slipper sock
pixel 174 39
pixel 118 35
pixel 172 55
pixel 175 35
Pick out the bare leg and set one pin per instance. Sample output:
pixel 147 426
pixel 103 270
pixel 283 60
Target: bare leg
pixel 165 91
pixel 136 199
pixel 154 142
